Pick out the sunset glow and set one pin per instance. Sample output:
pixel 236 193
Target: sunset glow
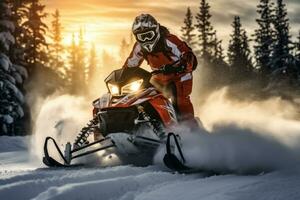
pixel 105 23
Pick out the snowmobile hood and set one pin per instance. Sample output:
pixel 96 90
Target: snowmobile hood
pixel 121 77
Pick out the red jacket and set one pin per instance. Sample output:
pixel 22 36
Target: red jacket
pixel 178 50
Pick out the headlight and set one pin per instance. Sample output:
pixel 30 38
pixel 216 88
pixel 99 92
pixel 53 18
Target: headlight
pixel 113 89
pixel 132 87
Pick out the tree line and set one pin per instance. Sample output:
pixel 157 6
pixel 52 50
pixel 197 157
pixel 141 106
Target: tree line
pixel 32 66
pixel 275 56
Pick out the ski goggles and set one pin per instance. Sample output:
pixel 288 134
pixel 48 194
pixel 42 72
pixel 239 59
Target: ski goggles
pixel 146 36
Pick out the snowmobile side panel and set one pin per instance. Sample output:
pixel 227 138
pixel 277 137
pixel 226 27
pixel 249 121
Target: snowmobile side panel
pixel 164 109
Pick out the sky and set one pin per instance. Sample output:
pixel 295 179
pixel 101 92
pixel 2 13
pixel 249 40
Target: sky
pixel 105 22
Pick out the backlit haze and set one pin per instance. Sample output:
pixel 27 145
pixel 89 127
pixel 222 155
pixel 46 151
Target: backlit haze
pixel 105 23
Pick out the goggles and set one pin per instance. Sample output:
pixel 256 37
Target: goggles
pixel 146 36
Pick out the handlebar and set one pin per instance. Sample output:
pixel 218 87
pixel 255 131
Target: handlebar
pixel 158 71
pixel 162 70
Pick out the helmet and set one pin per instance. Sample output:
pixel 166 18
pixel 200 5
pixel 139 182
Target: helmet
pixel 146 31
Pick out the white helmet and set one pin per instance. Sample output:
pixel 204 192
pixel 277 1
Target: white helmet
pixel 146 31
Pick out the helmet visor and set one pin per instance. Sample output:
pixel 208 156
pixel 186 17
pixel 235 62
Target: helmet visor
pixel 146 36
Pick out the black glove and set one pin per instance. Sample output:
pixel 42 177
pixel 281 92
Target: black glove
pixel 170 69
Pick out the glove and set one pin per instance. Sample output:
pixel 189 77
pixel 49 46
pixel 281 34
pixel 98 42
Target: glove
pixel 170 69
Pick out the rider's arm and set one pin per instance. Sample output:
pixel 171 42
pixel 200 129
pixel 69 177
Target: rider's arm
pixel 183 52
pixel 135 58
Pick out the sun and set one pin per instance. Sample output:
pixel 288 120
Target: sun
pixel 90 35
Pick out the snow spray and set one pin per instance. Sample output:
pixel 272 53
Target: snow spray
pixel 242 137
pixel 60 117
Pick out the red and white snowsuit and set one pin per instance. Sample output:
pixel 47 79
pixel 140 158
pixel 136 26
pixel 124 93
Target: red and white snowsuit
pixel 181 82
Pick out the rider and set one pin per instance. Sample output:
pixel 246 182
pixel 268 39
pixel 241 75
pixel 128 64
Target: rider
pixel 161 49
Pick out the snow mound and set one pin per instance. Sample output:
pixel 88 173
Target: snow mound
pixel 20 181
pixel 109 183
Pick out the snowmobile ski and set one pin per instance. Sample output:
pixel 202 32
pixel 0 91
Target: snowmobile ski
pixel 170 159
pixel 51 162
pixel 48 160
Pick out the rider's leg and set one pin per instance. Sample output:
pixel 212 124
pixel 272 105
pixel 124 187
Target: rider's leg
pixel 183 102
pixel 179 92
pixel 182 99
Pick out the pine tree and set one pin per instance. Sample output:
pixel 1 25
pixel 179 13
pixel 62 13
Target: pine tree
pixel 124 49
pixel 239 52
pixel 281 56
pixel 131 41
pixel 235 44
pixel 108 60
pixel 205 30
pixel 187 30
pixel 11 99
pixel 16 54
pixel 264 37
pixel 18 15
pixel 19 12
pixel 297 49
pixel 81 62
pixel 218 64
pixel 247 52
pixel 92 67
pixel 297 56
pixel 218 51
pixel 56 48
pixel 34 40
pixel 77 69
pixel 71 72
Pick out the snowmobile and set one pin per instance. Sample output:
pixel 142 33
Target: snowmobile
pixel 129 123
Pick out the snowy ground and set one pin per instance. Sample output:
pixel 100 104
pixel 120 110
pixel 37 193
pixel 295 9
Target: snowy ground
pixel 23 178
